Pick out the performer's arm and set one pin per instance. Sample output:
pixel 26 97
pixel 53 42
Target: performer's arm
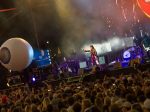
pixel 87 51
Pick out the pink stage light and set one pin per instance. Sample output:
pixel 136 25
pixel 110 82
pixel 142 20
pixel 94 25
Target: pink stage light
pixel 6 10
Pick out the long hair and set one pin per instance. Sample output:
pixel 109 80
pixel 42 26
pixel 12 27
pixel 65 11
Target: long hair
pixel 92 46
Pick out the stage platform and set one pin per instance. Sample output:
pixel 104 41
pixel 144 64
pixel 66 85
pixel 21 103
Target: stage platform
pixel 89 76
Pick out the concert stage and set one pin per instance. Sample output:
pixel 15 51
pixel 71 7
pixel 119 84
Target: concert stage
pixel 88 76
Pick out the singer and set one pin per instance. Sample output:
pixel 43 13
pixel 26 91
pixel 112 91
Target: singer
pixel 94 57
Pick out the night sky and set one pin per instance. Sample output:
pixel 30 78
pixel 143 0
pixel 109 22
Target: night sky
pixel 69 24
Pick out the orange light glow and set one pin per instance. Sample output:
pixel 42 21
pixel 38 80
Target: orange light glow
pixel 6 10
pixel 145 6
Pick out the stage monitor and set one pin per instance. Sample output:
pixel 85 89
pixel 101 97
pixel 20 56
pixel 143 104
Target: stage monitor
pixel 83 64
pixel 102 60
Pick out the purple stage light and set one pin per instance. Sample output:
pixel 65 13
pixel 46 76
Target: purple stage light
pixel 33 79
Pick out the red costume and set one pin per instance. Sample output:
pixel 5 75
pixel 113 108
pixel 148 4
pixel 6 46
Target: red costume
pixel 94 58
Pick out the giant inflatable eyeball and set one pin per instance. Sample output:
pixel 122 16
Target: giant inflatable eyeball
pixel 16 54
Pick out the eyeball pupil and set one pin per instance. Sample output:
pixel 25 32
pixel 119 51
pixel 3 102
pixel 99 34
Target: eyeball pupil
pixel 5 55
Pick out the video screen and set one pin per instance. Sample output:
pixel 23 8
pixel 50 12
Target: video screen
pixel 83 64
pixel 102 60
pixel 42 58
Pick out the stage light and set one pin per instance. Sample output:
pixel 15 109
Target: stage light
pixel 47 42
pixel 65 59
pixel 10 71
pixel 8 84
pixel 6 10
pixel 145 6
pixel 127 55
pixel 147 1
pixel 33 79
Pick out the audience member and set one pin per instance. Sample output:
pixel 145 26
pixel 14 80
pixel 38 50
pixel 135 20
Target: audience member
pixel 124 93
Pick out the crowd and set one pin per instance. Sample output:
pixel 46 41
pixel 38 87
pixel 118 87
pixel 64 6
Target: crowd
pixel 123 93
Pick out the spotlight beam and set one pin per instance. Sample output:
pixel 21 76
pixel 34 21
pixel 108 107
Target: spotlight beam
pixel 6 10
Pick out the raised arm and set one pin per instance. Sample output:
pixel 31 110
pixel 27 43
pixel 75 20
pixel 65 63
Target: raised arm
pixel 86 50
